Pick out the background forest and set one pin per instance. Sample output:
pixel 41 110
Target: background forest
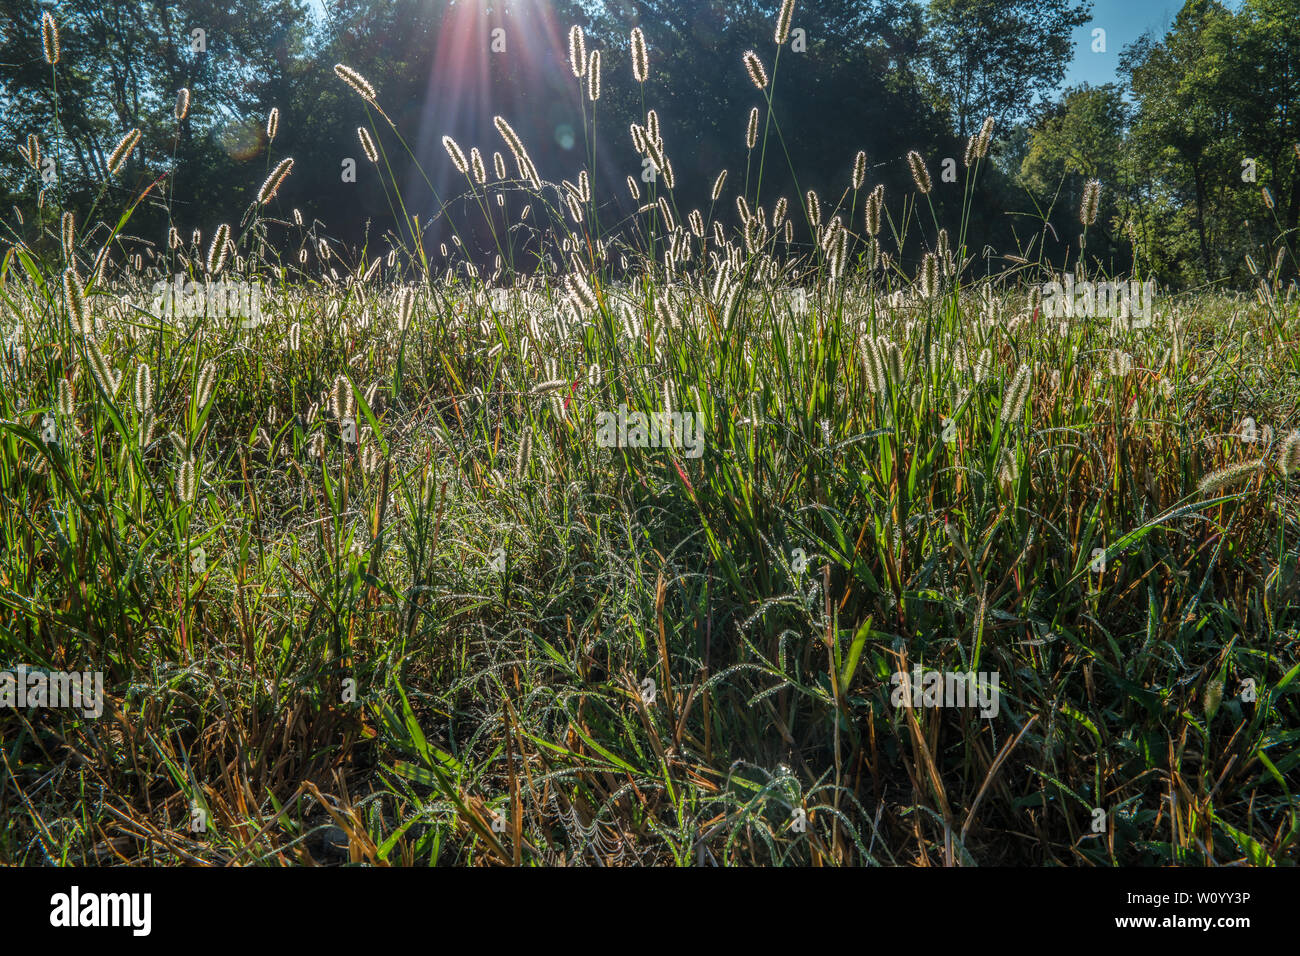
pixel 1203 122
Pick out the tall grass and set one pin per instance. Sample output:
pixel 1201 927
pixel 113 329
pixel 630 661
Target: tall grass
pixel 434 621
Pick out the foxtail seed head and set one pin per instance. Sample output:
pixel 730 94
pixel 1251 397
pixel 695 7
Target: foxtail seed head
pixel 341 399
pixel 187 481
pixel 920 175
pixel 358 82
pixel 50 38
pixel 217 251
pixel 717 185
pixel 814 208
pixel 457 157
pixel 783 22
pixel 640 58
pixel 1091 202
pixel 122 151
pixel 1013 400
pixel 405 306
pixel 205 384
pixel 143 389
pixel 859 170
pixel 64 399
pixel 367 144
pixel 577 51
pixel 272 184
pixel 74 296
pixel 928 277
pixel 1225 478
pixel 875 204
pixel 1288 457
pixel 101 370
pixel 984 139
pixel 593 76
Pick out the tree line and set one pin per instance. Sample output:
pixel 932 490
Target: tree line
pixel 1195 145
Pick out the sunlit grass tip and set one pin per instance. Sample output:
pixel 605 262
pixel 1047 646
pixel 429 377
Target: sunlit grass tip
pixel 272 184
pixel 122 151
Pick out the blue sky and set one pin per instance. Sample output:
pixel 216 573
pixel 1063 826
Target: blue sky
pixel 1124 21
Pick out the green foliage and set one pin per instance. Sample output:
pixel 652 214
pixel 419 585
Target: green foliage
pixel 436 621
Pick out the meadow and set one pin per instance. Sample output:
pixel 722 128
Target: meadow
pixel 366 585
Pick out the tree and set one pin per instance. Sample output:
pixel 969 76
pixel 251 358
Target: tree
pixel 848 81
pixel 1083 138
pixel 999 57
pixel 1265 88
pixel 1183 124
pixel 120 68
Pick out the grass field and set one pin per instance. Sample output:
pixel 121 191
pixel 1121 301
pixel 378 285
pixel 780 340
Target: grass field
pixel 364 583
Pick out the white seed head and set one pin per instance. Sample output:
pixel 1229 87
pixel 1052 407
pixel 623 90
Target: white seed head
pixel 640 59
pixel 1013 400
pixel 593 76
pixel 63 400
pixel 204 385
pixel 74 297
pixel 367 144
pixel 143 389
pixel 577 51
pixel 874 205
pixel 1224 478
pixel 1091 202
pixel 457 157
pixel 342 402
pixel 218 249
pixel 920 175
pixel 272 184
pixel 783 22
pixel 814 208
pixel 927 277
pixel 187 481
pixel 986 137
pixel 355 80
pixel 50 38
pixel 101 370
pixel 1288 458
pixel 122 151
